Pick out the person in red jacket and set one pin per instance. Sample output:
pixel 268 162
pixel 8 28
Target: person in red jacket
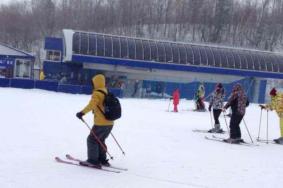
pixel 176 98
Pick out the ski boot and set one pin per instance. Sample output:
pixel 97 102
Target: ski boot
pixel 219 130
pixel 90 163
pixel 234 140
pixel 279 140
pixel 105 162
pixel 216 129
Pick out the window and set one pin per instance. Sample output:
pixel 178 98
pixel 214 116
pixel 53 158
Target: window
pixel 161 52
pixel 210 57
pixel 168 53
pixel 237 60
pixel 116 47
pixel 84 43
pixel 217 57
pixel 190 54
pixel 132 48
pixel 183 54
pixel 146 50
pixel 250 61
pixel 153 51
pixel 262 63
pixel 244 64
pixel 124 48
pixel 92 44
pixel 203 55
pixel 231 59
pixel 139 49
pixel 2 73
pixel 176 54
pixel 22 68
pixel 275 63
pixel 224 58
pixel 108 46
pixel 256 62
pixel 76 43
pixel 53 55
pixel 100 45
pixel 268 63
pixel 196 55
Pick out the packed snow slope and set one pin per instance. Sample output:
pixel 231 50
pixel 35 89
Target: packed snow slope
pixel 161 149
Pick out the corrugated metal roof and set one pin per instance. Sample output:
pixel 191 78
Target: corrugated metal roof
pixel 9 51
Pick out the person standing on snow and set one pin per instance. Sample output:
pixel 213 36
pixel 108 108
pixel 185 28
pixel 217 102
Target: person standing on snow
pixel 277 105
pixel 102 127
pixel 199 98
pixel 238 101
pixel 216 102
pixel 176 99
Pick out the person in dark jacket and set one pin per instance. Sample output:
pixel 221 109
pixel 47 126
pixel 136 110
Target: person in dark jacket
pixel 238 101
pixel 216 102
pixel 102 127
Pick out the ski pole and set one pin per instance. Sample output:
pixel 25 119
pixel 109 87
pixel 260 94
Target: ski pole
pixel 169 104
pixel 97 139
pixel 118 143
pixel 259 124
pixel 226 122
pixel 248 130
pixel 267 128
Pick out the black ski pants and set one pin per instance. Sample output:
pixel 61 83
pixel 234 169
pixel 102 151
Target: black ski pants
pixel 95 152
pixel 216 114
pixel 235 131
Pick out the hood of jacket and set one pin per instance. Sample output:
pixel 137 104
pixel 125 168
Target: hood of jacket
pixel 98 81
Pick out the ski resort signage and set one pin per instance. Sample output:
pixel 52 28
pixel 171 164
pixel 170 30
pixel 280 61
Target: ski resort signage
pixel 6 63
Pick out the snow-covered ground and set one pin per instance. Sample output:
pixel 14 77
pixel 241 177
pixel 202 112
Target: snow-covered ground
pixel 161 149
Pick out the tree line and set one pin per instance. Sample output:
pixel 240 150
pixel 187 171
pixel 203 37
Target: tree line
pixel 242 23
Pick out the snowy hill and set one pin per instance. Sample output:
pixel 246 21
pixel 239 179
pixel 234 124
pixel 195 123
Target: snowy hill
pixel 161 149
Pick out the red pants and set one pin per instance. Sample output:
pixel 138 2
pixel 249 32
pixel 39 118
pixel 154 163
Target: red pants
pixel 175 107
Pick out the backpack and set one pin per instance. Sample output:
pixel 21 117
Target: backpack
pixel 112 107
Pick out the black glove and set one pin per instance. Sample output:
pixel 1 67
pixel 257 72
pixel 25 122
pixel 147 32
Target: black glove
pixel 80 115
pixel 171 98
pixel 262 106
pixel 209 108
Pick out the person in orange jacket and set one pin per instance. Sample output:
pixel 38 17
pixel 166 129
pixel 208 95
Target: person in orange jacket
pixel 102 127
pixel 176 99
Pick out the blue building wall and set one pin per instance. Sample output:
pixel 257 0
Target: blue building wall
pixel 52 86
pixel 188 90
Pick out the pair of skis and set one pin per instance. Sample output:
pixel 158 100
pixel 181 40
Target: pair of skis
pixel 219 139
pixel 267 141
pixel 77 162
pixel 206 131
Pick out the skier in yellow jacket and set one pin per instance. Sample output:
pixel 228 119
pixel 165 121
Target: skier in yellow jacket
pixel 277 105
pixel 102 127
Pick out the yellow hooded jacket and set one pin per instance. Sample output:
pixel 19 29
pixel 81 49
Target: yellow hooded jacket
pixel 41 75
pixel 97 100
pixel 276 103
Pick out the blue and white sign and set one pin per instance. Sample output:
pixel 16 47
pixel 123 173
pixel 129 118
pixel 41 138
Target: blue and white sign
pixel 6 62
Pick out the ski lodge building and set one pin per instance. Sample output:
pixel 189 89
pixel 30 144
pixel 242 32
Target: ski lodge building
pixel 15 63
pixel 141 67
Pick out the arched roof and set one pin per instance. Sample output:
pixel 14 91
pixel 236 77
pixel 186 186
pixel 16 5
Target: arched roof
pixel 200 55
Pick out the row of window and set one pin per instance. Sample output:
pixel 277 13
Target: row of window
pixel 177 53
pixel 53 55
